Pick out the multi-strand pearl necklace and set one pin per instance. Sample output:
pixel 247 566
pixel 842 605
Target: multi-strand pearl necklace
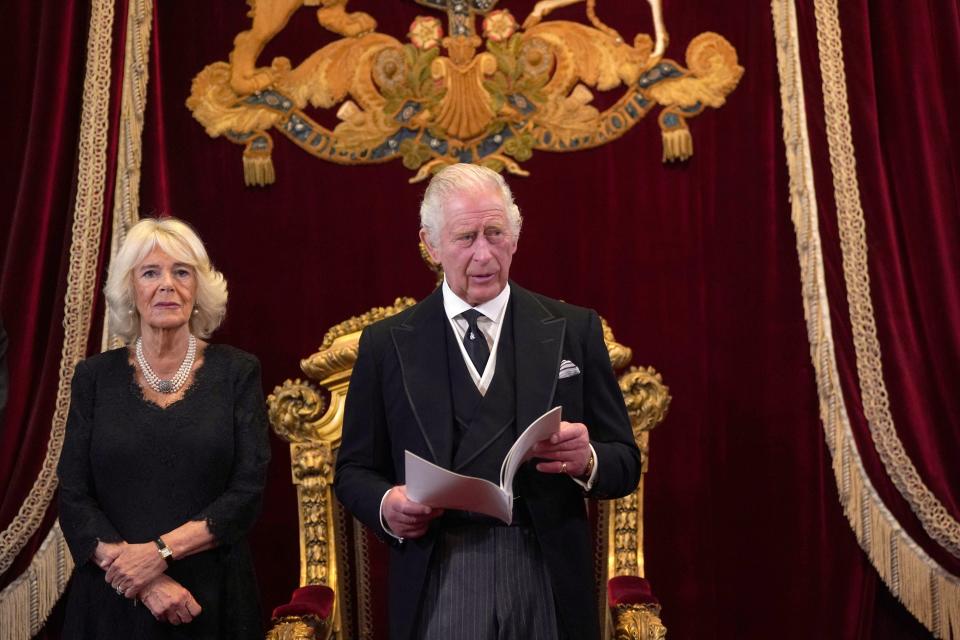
pixel 173 385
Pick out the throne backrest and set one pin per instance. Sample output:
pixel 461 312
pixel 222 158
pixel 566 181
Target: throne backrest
pixel 338 552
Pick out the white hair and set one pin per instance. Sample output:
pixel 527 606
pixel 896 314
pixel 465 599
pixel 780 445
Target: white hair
pixel 457 178
pixel 178 240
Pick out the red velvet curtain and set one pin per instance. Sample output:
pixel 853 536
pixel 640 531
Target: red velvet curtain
pixel 44 44
pixel 902 83
pixel 694 266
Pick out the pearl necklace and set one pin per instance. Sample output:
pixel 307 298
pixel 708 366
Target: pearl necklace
pixel 173 385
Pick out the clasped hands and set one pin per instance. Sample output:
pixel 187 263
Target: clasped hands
pixel 567 451
pixel 137 571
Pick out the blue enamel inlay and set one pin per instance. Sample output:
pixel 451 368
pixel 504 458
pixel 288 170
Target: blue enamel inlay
pixel 410 109
pixel 660 72
pixel 299 129
pixel 491 143
pixel 392 144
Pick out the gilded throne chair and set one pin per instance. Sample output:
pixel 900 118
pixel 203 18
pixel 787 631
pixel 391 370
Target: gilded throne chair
pixel 343 567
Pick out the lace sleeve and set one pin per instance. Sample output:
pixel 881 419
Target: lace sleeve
pixel 83 522
pixel 231 515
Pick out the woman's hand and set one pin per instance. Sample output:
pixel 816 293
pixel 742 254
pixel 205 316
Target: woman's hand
pixel 169 601
pixel 106 553
pixel 134 567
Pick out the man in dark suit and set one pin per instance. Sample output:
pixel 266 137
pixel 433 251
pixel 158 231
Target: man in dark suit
pixel 454 379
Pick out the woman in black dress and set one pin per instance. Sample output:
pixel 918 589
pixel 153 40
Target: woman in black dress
pixel 165 456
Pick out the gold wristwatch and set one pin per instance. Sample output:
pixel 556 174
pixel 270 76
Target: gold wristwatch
pixel 164 550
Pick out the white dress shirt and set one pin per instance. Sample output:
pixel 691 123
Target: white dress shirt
pixel 490 323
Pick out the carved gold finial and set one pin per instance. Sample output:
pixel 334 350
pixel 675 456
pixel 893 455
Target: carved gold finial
pixel 298 628
pixel 639 622
pixel 619 354
pixel 647 398
pixel 293 407
pixel 434 266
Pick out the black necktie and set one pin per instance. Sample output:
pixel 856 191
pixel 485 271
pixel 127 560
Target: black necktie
pixel 474 342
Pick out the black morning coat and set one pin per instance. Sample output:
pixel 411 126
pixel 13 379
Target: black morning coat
pixel 399 399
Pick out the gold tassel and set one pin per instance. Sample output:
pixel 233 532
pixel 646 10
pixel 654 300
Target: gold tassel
pixel 257 165
pixel 27 601
pixel 677 144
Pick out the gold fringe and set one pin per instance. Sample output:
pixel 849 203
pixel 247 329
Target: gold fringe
pixel 677 144
pixel 27 601
pixel 81 276
pixel 927 590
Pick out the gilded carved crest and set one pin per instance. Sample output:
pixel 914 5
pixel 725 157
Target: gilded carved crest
pixel 437 98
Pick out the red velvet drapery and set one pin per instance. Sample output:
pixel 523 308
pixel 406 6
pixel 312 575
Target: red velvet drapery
pixel 902 81
pixel 694 266
pixel 45 45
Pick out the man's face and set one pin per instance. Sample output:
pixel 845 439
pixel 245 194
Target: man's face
pixel 475 245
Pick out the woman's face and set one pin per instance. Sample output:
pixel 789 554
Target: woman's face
pixel 165 290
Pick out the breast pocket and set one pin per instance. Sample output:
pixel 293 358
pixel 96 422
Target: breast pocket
pixel 569 395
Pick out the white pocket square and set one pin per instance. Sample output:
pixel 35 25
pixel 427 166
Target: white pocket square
pixel 568 370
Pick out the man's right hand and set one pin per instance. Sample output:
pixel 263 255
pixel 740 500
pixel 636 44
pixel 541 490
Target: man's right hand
pixel 404 517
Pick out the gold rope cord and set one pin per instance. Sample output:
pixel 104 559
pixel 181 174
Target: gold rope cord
pixel 936 520
pixel 929 592
pixel 133 102
pixel 84 248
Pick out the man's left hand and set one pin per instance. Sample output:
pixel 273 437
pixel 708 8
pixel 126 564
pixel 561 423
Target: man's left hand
pixel 568 450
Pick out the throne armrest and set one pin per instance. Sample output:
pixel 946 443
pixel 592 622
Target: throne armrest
pixel 306 616
pixel 634 609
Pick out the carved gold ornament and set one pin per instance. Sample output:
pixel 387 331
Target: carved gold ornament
pixel 639 622
pixel 435 100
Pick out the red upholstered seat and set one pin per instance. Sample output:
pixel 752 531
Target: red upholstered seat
pixel 630 590
pixel 311 600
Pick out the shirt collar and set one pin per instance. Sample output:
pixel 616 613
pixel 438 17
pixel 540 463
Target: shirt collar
pixel 454 305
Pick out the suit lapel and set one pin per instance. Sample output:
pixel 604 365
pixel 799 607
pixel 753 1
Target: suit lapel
pixel 538 336
pixel 423 364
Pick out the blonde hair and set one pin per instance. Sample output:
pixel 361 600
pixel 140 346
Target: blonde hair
pixel 457 178
pixel 178 240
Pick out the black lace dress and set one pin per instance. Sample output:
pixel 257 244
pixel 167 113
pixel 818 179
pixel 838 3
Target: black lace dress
pixel 131 470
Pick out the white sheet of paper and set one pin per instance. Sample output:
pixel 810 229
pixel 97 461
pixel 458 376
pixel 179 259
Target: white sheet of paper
pixel 441 488
pixel 540 429
pixel 438 487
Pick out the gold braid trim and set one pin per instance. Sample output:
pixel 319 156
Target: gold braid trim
pixel 133 102
pixel 26 602
pixel 936 520
pixel 84 247
pixel 928 591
